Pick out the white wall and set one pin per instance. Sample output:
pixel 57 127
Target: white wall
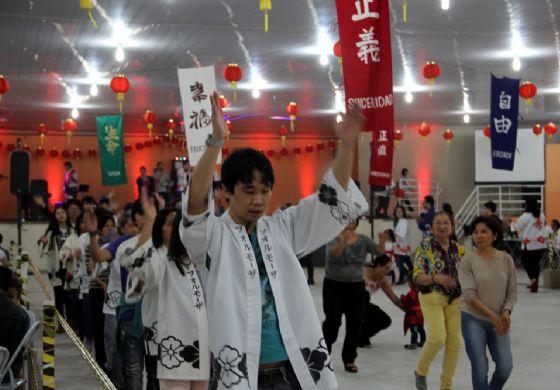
pixel 431 158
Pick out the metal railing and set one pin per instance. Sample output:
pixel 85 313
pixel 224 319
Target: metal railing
pixel 509 199
pixel 417 189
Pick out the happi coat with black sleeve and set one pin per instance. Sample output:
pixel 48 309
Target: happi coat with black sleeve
pixel 230 277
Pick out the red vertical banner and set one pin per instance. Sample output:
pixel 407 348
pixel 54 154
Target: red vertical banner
pixel 365 36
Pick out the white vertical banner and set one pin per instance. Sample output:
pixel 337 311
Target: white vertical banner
pixel 196 86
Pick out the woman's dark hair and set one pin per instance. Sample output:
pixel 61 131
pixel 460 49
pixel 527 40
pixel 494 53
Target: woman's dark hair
pixel 157 234
pixel 448 209
pixel 357 221
pixel 77 229
pixel 492 224
pixel 241 165
pixel 89 200
pixel 391 235
pixel 491 206
pixel 430 199
pixel 103 217
pixel 125 217
pixel 53 227
pixel 177 252
pixel 555 222
pixel 532 206
pixel 381 260
pixel 395 219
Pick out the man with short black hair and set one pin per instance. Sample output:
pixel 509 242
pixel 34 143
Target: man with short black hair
pixel 249 263
pixel 145 181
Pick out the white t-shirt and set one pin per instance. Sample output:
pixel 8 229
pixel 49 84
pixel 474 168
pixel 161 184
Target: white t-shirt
pixel 533 231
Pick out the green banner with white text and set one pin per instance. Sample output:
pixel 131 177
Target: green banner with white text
pixel 111 149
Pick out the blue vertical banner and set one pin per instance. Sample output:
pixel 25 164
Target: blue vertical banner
pixel 504 111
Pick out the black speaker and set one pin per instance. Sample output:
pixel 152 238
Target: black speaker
pixel 38 187
pixel 19 172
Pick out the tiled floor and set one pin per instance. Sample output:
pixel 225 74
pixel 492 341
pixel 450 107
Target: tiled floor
pixel 388 366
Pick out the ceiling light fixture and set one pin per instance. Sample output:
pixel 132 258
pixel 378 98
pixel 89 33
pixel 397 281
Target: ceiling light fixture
pixel 256 93
pixel 516 64
pixel 445 5
pixel 75 113
pixel 324 59
pixel 119 54
pixel 408 97
pixel 338 118
pixel 466 118
pixel 93 90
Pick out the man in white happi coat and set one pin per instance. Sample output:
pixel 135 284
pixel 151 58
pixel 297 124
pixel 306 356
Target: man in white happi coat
pixel 263 328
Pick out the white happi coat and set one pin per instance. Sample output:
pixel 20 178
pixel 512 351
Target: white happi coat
pixel 180 329
pixel 232 283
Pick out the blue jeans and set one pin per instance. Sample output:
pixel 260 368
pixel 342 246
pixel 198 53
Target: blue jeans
pixel 479 334
pixel 131 350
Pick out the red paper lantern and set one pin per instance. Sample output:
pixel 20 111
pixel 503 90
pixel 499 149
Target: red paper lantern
pixel 337 50
pixel 69 127
pixel 53 153
pixel 424 130
pixel 223 101
pixel 40 152
pixel 10 147
pixel 309 149
pixel 550 129
pixel 431 72
pixel 42 132
pixel 283 133
pixel 157 141
pixel 527 91
pixel 171 127
pixel 150 119
pixel 398 136
pixel 537 129
pixel 320 146
pixel 331 144
pixel 65 153
pixel 139 146
pixel 487 131
pixel 77 154
pixel 448 135
pixel 297 150
pixel 270 152
pixel 4 86
pixel 225 151
pixel 26 148
pixel 92 153
pixel 292 110
pixel 127 148
pixel 284 152
pixel 120 85
pixel 148 143
pixel 233 73
pixel 175 141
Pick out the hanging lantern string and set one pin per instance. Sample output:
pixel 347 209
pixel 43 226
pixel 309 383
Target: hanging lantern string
pixel 88 5
pixel 265 5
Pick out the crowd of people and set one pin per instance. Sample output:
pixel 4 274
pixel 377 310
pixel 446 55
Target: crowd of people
pixel 199 300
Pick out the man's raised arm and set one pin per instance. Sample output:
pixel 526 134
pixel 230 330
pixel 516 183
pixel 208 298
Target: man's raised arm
pixel 348 134
pixel 201 179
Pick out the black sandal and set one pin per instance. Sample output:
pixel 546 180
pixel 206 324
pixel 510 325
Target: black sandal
pixel 351 367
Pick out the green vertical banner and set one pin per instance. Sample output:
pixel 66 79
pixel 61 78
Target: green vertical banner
pixel 111 149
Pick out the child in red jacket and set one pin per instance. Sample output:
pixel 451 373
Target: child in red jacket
pixel 413 318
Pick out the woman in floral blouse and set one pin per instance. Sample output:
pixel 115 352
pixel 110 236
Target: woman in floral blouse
pixel 436 275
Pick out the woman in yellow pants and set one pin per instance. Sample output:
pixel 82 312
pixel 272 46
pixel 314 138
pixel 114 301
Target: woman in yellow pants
pixel 436 275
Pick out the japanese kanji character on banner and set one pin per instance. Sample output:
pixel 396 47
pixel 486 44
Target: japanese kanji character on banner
pixel 365 38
